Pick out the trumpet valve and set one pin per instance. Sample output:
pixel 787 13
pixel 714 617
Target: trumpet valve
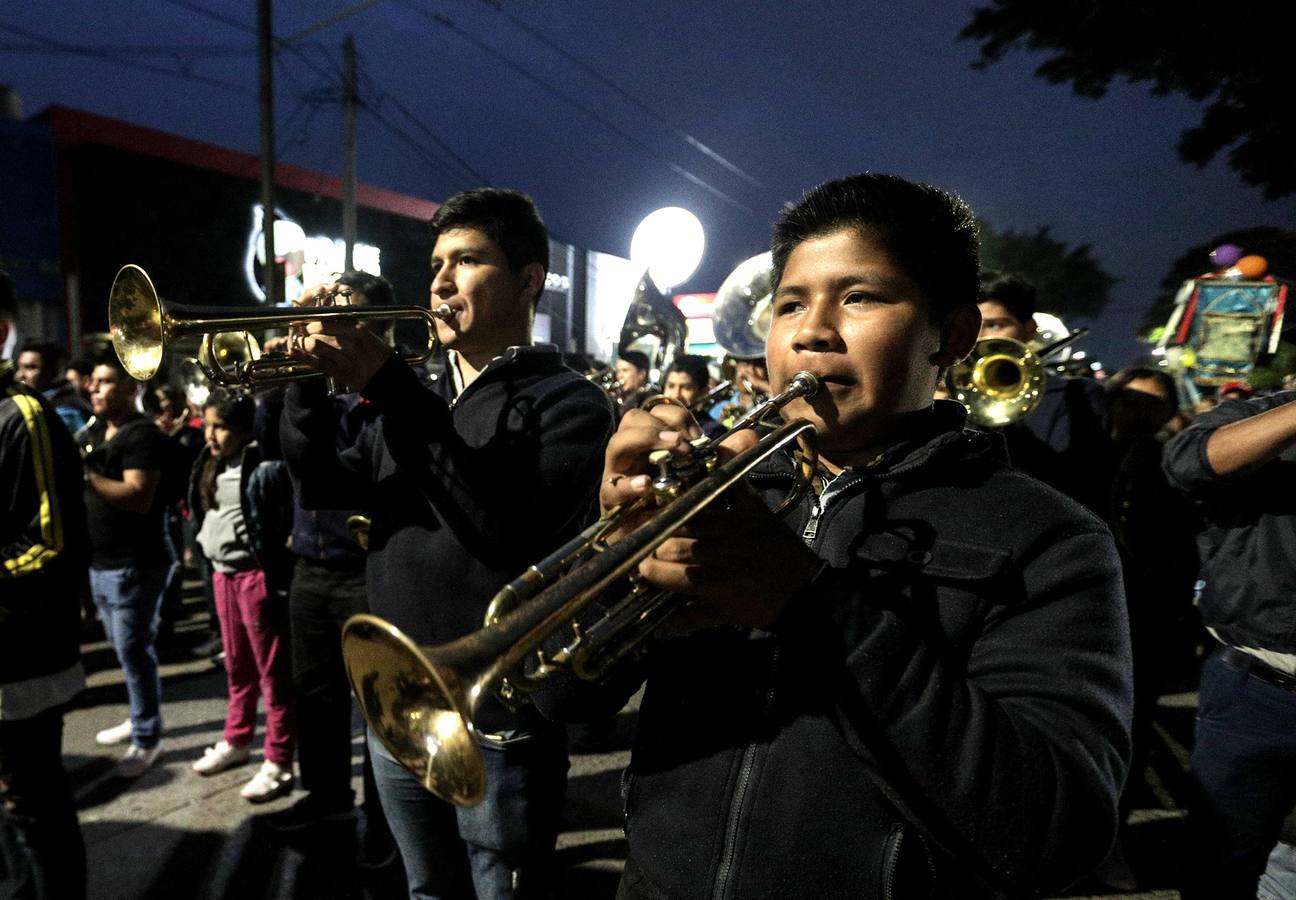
pixel 667 485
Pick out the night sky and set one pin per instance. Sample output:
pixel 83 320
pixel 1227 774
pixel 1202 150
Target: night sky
pixel 591 108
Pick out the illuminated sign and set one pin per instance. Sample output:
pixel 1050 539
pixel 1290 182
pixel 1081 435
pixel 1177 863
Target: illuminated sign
pixel 306 260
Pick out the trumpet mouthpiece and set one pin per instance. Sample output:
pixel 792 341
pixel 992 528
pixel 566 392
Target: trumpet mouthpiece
pixel 444 312
pixel 805 384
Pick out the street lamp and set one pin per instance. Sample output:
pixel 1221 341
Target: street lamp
pixel 668 243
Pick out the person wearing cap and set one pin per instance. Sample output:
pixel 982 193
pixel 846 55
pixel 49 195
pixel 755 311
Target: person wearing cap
pixel 1235 390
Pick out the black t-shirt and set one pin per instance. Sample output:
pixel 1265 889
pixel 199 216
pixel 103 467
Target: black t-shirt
pixel 120 538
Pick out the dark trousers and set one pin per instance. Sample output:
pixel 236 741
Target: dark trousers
pixel 42 854
pixel 320 601
pixel 1243 778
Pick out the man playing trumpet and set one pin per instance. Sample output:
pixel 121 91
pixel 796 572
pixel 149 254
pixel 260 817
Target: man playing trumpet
pixel 470 478
pixel 918 684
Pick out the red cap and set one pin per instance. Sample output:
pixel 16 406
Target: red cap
pixel 1236 387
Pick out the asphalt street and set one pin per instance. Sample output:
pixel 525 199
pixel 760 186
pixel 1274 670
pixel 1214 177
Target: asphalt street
pixel 173 833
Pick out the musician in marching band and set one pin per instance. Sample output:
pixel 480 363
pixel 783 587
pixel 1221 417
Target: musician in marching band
pixel 469 478
pixel 1064 442
pixel 918 683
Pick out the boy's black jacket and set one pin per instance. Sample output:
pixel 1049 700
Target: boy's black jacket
pixel 944 711
pixel 465 494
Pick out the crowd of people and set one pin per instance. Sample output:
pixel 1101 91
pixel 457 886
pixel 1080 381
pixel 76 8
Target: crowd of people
pixel 935 674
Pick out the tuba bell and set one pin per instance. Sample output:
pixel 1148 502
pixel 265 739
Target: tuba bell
pixel 654 325
pixel 743 307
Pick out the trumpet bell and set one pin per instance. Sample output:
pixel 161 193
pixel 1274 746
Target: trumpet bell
pixel 1000 382
pixel 135 322
pixel 419 710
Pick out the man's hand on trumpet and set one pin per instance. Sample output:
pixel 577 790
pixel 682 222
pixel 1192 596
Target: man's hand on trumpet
pixel 741 563
pixel 342 348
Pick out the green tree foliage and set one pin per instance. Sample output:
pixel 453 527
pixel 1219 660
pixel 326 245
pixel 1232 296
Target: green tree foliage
pixel 1276 245
pixel 1270 377
pixel 1235 58
pixel 1070 282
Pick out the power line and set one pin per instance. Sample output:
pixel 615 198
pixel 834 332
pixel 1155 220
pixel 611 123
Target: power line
pixel 446 23
pixel 298 50
pixel 383 96
pixel 189 50
pixel 94 53
pixel 329 20
pixel 626 95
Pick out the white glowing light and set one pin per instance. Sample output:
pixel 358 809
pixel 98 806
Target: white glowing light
pixel 669 244
pixel 307 260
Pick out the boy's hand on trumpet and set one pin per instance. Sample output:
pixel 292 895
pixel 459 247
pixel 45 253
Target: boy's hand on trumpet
pixel 739 560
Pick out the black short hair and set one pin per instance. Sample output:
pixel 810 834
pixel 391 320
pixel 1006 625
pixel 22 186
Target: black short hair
pixel 152 403
pixel 51 354
pixel 509 218
pixel 1011 291
pixel 636 358
pixel 82 364
pixel 236 409
pixel 929 232
pixel 108 357
pixel 378 291
pixel 694 367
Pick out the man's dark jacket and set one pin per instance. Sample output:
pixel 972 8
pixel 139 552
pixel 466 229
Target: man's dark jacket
pixel 1248 546
pixel 944 711
pixel 465 493
pixel 44 547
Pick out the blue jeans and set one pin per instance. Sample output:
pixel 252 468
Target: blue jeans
pixel 502 848
pixel 128 601
pixel 1243 779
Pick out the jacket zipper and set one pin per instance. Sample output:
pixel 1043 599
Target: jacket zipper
pixel 892 862
pixel 730 847
pixel 812 524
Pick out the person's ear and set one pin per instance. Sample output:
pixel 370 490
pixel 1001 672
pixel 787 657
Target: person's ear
pixel 958 333
pixel 533 280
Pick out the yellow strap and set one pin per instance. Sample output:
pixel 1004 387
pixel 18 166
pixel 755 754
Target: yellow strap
pixel 51 522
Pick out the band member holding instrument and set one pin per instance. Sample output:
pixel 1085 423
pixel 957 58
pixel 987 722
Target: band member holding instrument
pixel 44 552
pixel 918 683
pixel 1064 442
pixel 686 383
pixel 633 387
pixel 469 480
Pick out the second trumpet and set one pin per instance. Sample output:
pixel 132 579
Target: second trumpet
pixel 144 327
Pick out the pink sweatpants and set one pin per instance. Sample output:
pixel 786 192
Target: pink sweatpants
pixel 256 662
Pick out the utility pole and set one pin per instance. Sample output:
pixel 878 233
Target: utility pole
pixel 348 150
pixel 265 54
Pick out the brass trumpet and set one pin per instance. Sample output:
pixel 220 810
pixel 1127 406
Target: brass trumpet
pixel 421 702
pixel 143 327
pixel 1002 380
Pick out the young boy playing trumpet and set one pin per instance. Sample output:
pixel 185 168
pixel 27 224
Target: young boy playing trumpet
pixel 916 683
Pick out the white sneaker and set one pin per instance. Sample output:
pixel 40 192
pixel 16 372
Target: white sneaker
pixel 221 757
pixel 118 734
pixel 137 760
pixel 269 782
